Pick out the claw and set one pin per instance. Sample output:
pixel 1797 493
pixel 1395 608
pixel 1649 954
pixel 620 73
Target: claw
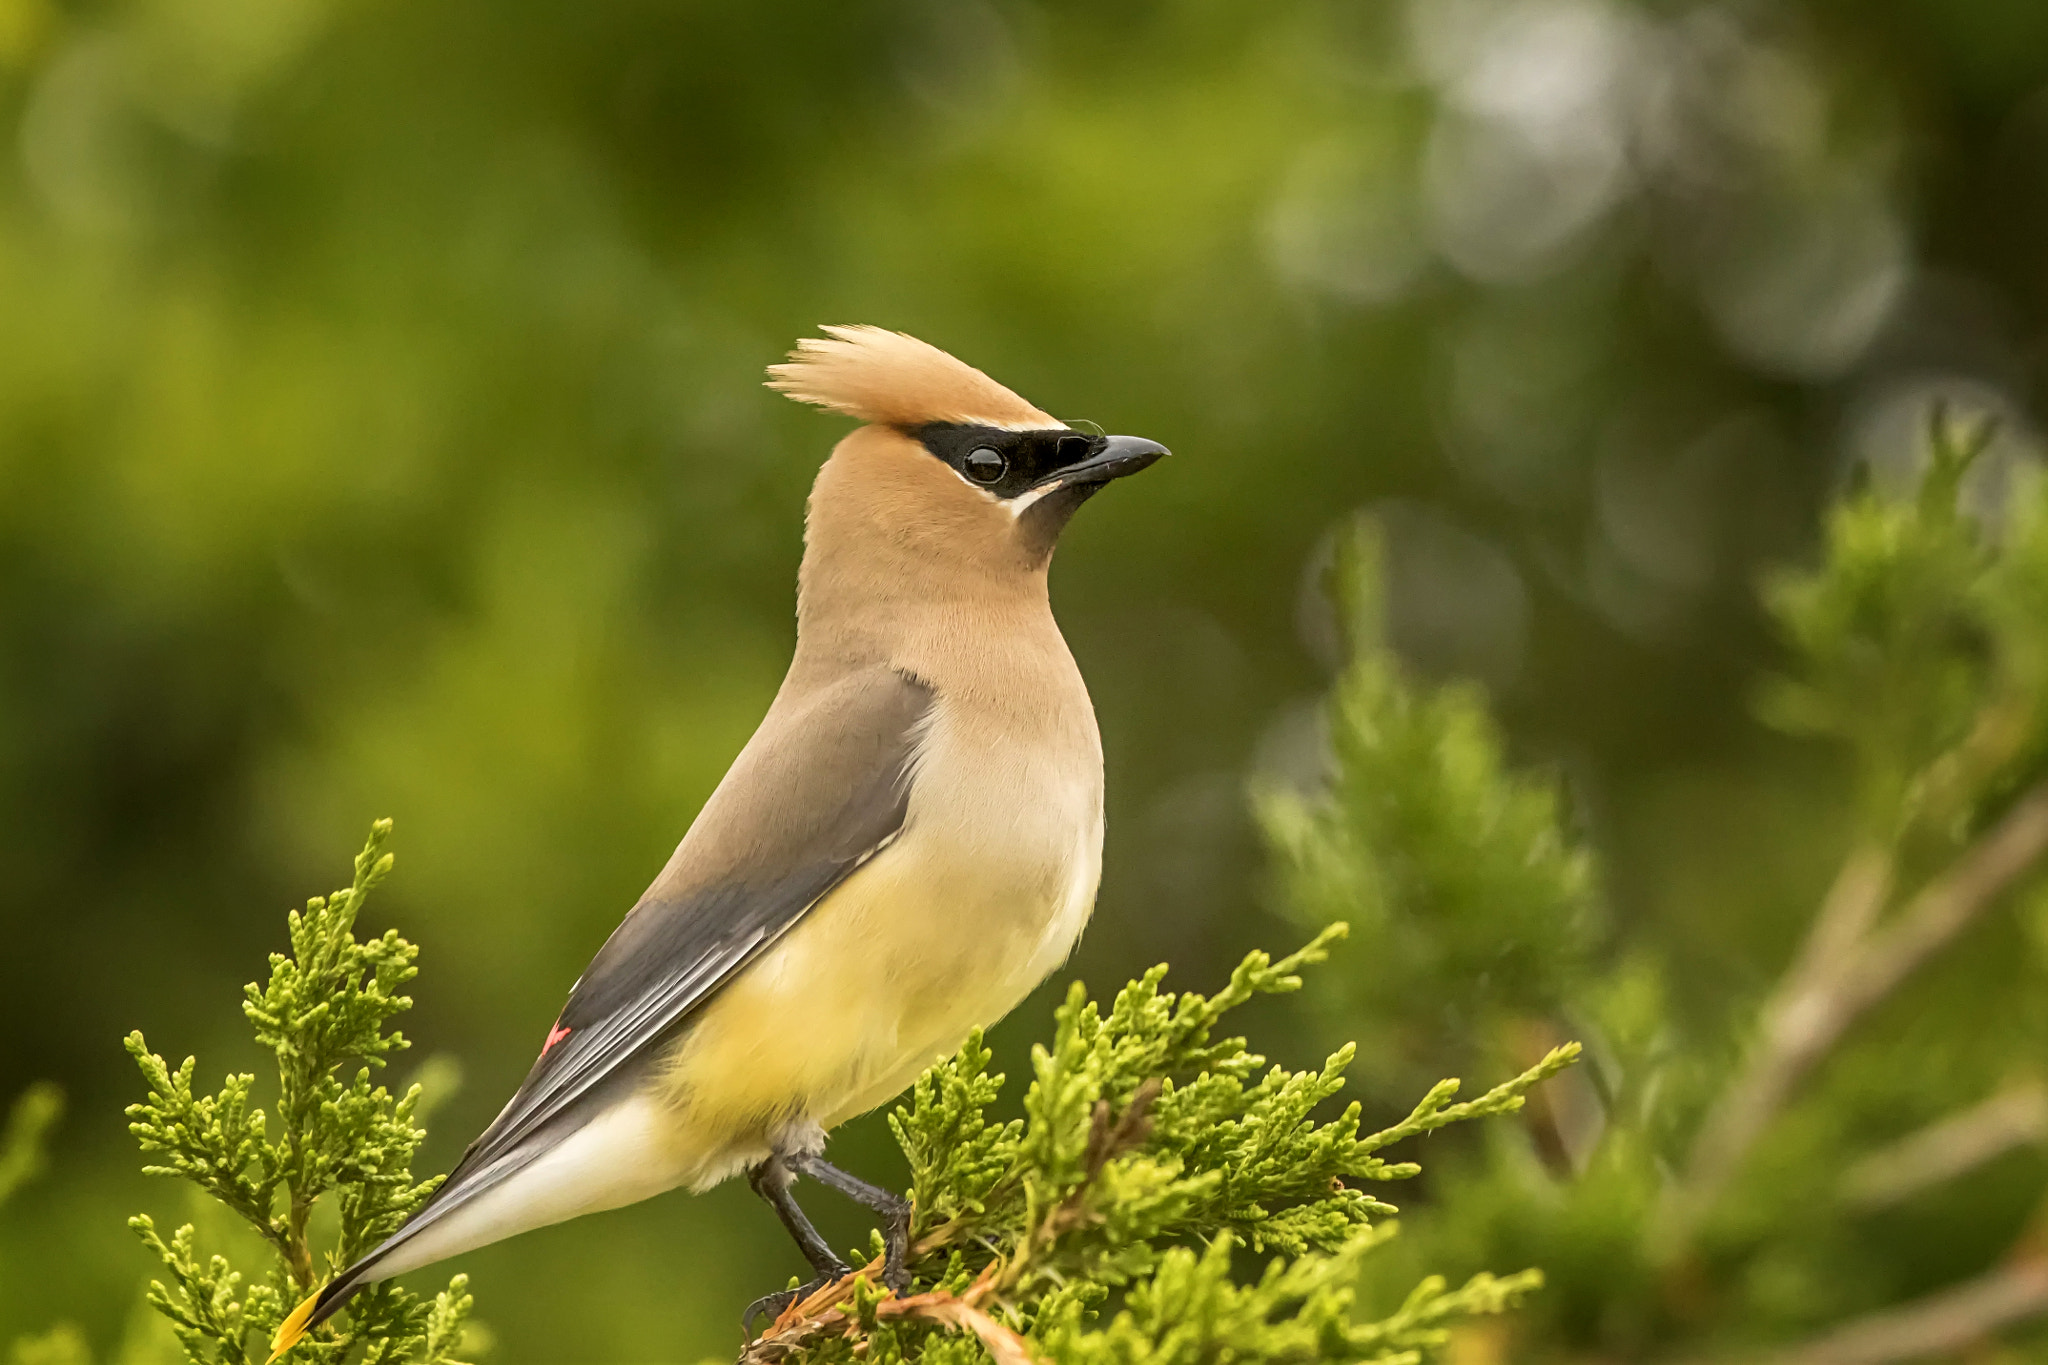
pixel 770 1306
pixel 773 1306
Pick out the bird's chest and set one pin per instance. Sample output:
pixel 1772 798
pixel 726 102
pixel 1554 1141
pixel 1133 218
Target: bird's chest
pixel 976 901
pixel 992 878
pixel 1002 849
pixel 979 899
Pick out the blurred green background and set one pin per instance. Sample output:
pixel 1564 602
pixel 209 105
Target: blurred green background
pixel 381 433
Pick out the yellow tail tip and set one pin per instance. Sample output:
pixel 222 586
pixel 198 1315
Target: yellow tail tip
pixel 292 1328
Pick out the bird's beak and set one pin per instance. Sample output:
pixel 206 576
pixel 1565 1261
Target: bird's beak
pixel 1120 455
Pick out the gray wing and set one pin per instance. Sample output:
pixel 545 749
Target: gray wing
pixel 822 787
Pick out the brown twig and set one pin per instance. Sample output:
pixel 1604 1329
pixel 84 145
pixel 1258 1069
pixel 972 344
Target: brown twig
pixel 815 1319
pixel 945 1310
pixel 829 1296
pixel 1851 906
pixel 1849 962
pixel 2015 1117
pixel 1948 904
pixel 1940 1324
pixel 1107 1139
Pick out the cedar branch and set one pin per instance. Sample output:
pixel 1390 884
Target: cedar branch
pixel 1849 963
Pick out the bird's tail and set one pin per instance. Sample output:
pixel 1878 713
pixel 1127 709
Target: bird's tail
pixel 316 1308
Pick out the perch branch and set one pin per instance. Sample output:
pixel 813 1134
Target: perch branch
pixel 821 1315
pixel 815 1319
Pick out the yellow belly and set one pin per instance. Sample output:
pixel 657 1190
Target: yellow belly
pixel 883 977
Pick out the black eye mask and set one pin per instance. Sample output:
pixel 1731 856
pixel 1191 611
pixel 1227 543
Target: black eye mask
pixel 1005 463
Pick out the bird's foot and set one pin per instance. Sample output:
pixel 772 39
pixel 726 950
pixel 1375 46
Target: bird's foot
pixel 773 1306
pixel 893 1208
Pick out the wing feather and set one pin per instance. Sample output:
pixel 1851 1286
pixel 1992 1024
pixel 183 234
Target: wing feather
pixel 822 788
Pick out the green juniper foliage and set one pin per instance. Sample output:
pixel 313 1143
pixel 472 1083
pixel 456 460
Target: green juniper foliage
pixel 1476 906
pixel 29 1121
pixel 1825 1170
pixel 22 1158
pixel 1920 645
pixel 1108 1224
pixel 1149 1153
pixel 323 1010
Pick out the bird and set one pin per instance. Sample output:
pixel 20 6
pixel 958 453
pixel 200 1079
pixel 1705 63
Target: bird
pixel 910 842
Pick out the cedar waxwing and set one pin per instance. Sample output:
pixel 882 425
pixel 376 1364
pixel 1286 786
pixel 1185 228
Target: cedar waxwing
pixel 910 842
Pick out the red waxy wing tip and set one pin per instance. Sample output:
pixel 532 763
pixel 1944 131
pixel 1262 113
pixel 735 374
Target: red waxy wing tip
pixel 555 1035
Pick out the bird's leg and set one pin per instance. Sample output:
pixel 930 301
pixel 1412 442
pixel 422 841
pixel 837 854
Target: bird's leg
pixel 893 1208
pixel 771 1180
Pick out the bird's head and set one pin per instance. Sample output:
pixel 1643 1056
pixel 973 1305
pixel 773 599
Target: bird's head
pixel 952 472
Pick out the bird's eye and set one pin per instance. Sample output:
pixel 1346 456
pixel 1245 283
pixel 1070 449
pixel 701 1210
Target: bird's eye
pixel 984 464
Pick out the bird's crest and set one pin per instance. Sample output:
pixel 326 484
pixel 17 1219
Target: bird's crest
pixel 892 379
